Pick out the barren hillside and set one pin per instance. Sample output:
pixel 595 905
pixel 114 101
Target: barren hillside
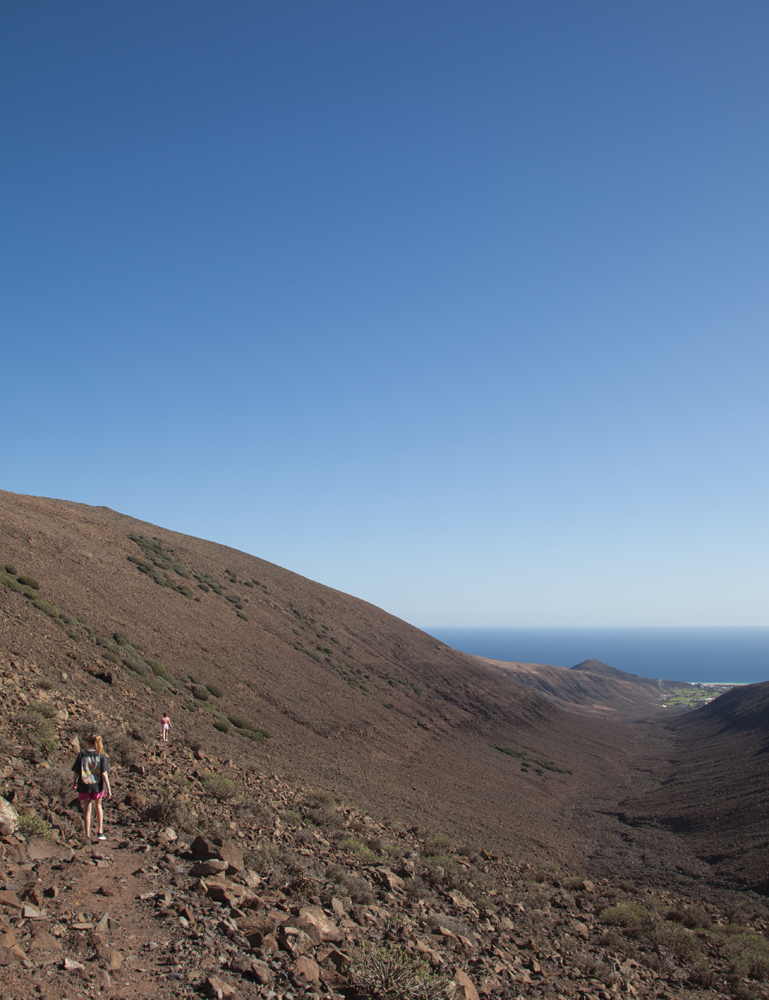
pixel 353 698
pixel 358 702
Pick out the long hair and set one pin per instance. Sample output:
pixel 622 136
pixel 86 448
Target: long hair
pixel 94 740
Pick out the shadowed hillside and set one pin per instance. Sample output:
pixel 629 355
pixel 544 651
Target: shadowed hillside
pixel 714 790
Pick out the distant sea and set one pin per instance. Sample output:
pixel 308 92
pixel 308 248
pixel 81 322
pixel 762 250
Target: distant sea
pixel 733 655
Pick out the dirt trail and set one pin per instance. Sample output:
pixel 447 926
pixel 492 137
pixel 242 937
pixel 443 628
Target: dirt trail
pixel 97 909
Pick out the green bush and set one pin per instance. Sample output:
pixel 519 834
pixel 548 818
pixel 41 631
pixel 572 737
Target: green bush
pixel 243 615
pixel 34 826
pixel 28 581
pixel 257 735
pixel 157 668
pixel 208 706
pixel 222 725
pixel 204 587
pixel 45 607
pixel 320 797
pixel 200 692
pixel 439 844
pixel 121 638
pixel 356 847
pixel 625 915
pixel 109 656
pixel 11 583
pixel 214 690
pixel 138 666
pixel 748 948
pixel 221 788
pixel 10 568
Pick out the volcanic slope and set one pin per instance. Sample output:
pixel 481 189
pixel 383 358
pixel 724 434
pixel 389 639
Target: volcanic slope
pixel 591 686
pixel 723 748
pixel 354 699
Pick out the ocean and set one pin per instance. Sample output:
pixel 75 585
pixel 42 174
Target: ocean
pixel 715 654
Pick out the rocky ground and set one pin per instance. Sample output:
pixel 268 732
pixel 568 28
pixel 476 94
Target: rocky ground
pixel 220 878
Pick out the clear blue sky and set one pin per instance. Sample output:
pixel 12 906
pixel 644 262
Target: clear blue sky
pixel 459 308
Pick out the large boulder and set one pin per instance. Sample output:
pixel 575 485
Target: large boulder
pixel 9 819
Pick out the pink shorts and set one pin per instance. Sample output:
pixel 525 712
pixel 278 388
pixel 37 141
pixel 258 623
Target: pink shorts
pixel 90 796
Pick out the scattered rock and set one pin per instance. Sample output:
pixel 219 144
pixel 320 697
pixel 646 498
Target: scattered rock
pixel 317 924
pixel 305 970
pixel 465 989
pixel 9 819
pixel 216 987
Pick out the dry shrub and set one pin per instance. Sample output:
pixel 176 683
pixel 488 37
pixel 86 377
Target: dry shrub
pixel 627 915
pixel 120 747
pixel 221 788
pixel 415 888
pixel 676 939
pixel 351 885
pixel 702 976
pixel 166 809
pixel 690 916
pixel 252 813
pixel 34 826
pixel 36 724
pixel 56 784
pixel 326 817
pixel 453 924
pixel 388 972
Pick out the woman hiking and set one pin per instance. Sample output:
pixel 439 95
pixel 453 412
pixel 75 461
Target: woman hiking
pixel 91 768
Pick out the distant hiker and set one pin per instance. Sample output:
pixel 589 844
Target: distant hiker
pixel 165 725
pixel 91 767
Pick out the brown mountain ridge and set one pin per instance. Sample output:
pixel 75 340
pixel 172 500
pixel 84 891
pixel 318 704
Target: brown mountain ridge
pixel 262 668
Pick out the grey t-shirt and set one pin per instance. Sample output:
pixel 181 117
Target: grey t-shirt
pixel 89 768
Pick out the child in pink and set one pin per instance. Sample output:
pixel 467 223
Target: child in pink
pixel 165 725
